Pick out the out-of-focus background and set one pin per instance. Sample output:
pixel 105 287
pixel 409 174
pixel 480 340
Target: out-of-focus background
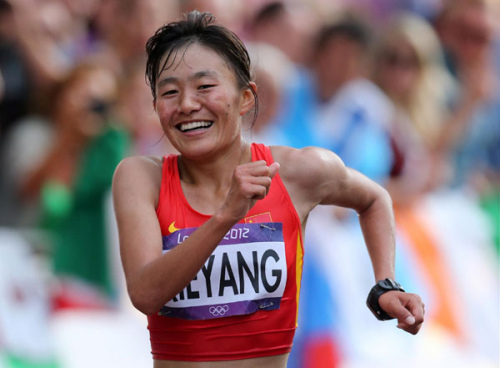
pixel 405 91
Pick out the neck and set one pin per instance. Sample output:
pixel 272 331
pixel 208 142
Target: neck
pixel 215 172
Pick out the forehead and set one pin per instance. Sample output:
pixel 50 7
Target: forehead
pixel 193 59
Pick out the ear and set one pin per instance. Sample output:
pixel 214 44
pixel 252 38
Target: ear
pixel 248 98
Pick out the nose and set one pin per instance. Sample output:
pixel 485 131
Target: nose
pixel 188 103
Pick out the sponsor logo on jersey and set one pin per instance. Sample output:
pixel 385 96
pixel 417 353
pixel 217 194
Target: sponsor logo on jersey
pixel 172 229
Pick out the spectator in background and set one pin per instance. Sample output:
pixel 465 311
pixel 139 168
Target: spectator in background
pixel 439 224
pixel 73 180
pixel 438 236
pixel 289 125
pixel 466 31
pixel 351 116
pixel 45 40
pixel 278 83
pixel 408 66
pixel 42 42
pixel 278 21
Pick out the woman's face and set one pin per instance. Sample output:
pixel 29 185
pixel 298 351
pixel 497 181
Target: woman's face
pixel 199 103
pixel 398 69
pixel 79 111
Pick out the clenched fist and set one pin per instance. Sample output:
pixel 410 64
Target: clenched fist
pixel 250 182
pixel 407 308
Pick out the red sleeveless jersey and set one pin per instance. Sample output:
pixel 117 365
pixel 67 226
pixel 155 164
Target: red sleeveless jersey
pixel 244 301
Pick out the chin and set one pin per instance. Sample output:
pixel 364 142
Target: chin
pixel 197 150
pixel 203 150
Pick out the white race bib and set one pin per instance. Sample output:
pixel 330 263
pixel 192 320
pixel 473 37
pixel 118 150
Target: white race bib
pixel 247 272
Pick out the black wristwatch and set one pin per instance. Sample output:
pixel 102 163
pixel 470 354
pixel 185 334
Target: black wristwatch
pixel 380 288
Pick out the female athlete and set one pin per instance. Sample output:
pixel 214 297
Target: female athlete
pixel 211 239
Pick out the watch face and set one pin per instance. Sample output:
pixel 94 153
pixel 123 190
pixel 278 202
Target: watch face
pixel 390 284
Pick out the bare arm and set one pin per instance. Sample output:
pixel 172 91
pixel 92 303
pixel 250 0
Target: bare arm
pixel 152 278
pixel 316 176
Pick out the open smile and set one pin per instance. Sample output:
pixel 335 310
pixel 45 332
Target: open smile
pixel 194 125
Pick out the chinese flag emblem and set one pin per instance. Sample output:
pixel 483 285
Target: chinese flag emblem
pixel 262 217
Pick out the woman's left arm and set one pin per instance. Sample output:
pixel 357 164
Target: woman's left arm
pixel 317 176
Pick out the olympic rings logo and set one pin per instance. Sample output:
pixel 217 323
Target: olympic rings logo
pixel 218 311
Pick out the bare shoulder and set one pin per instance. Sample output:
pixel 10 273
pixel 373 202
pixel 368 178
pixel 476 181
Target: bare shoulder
pixel 140 163
pixel 306 165
pixel 308 173
pixel 138 172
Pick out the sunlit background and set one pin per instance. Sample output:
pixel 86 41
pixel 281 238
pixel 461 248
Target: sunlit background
pixel 405 91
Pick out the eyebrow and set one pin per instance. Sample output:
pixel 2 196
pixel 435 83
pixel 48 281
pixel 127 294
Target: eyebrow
pixel 197 75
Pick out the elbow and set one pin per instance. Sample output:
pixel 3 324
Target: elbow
pixel 144 307
pixel 380 200
pixel 385 196
pixel 383 202
pixel 144 303
pixel 381 195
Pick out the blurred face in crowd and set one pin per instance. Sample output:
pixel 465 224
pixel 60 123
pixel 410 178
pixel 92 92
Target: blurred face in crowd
pixel 338 61
pixel 83 102
pixel 398 69
pixel 299 26
pixel 467 31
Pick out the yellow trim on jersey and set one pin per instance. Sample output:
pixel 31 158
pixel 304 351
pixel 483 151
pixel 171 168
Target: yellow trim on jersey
pixel 298 273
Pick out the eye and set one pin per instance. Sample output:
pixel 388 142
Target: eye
pixel 206 86
pixel 169 92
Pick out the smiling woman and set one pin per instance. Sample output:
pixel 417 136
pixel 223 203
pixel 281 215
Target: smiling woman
pixel 199 101
pixel 211 239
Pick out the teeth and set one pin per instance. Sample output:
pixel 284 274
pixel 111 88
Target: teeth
pixel 194 125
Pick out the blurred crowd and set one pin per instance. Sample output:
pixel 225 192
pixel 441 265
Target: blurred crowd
pixel 406 92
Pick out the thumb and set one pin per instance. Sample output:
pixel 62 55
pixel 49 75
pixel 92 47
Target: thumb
pixel 410 320
pixel 405 318
pixel 273 169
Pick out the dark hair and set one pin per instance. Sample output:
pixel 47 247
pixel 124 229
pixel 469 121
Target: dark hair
pixel 5 7
pixel 269 12
pixel 197 28
pixel 350 27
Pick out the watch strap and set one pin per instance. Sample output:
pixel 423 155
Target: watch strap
pixel 376 291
